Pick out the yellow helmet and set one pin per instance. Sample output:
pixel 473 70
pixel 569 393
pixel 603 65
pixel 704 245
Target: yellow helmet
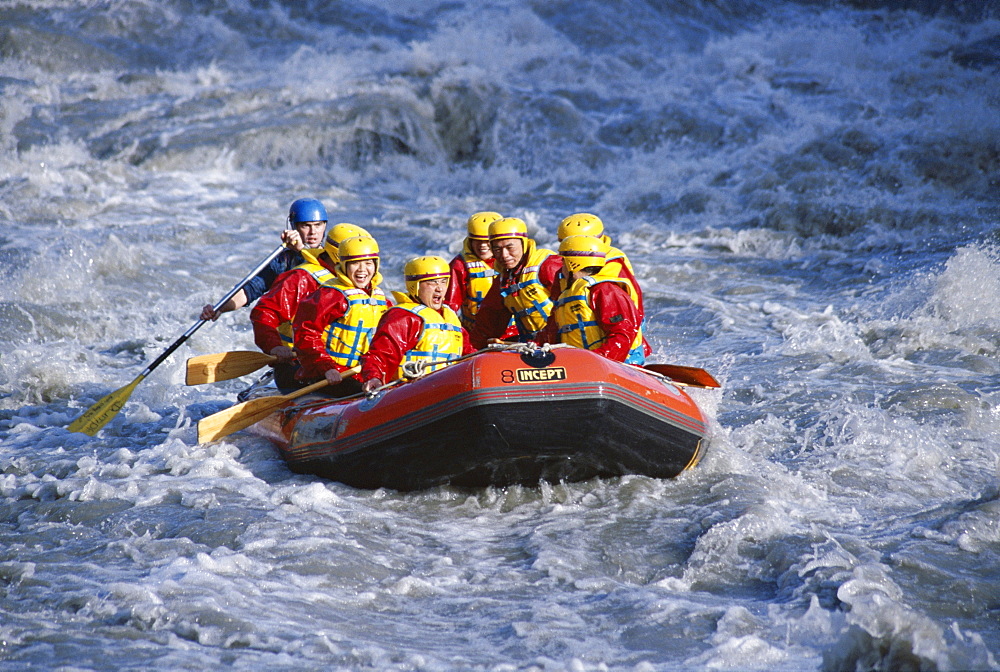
pixel 338 234
pixel 581 224
pixel 424 268
pixel 478 225
pixel 508 227
pixel 583 252
pixel 357 248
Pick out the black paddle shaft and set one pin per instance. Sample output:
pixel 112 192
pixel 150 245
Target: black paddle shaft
pixel 197 325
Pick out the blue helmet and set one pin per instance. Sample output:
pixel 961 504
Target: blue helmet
pixel 306 210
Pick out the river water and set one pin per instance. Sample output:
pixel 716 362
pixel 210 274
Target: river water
pixel 810 193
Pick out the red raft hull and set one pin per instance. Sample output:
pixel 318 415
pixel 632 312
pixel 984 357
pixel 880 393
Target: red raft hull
pixel 498 418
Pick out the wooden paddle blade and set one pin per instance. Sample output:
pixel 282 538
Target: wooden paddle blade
pixel 243 415
pixel 238 417
pixel 98 415
pixel 688 375
pixel 225 366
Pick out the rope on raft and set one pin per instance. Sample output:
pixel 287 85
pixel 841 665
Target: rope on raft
pixel 419 369
pixel 415 370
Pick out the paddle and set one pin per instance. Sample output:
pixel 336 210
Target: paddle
pixel 101 413
pixel 243 415
pixel 688 375
pixel 225 366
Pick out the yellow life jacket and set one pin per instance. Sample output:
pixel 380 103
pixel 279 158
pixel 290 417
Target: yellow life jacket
pixel 577 321
pixel 478 280
pixel 321 275
pixel 614 254
pixel 347 338
pixel 311 254
pixel 440 338
pixel 527 298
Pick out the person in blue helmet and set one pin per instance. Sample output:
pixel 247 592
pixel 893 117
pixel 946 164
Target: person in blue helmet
pixel 305 231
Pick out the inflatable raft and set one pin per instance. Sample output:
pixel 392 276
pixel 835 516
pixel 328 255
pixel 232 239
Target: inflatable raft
pixel 497 418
